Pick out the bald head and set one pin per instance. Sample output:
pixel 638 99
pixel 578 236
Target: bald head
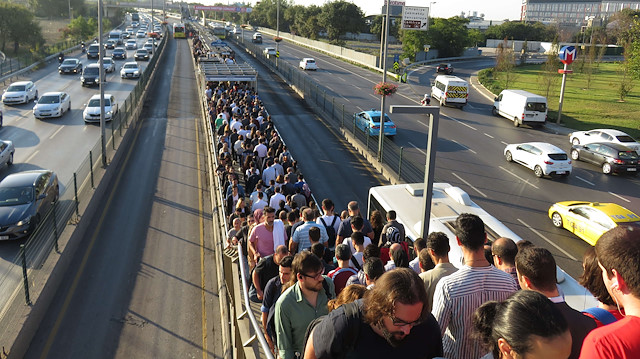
pixel 506 249
pixel 394 248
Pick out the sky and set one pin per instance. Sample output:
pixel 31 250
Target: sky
pixel 492 9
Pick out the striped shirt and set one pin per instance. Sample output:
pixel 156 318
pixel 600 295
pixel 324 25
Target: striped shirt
pixel 455 299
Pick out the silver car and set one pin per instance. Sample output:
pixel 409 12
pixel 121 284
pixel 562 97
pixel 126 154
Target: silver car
pixel 6 152
pixel 52 104
pixel 20 92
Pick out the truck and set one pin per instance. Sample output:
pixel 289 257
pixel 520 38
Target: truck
pixel 521 107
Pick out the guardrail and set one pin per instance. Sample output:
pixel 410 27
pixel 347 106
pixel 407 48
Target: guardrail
pixel 74 194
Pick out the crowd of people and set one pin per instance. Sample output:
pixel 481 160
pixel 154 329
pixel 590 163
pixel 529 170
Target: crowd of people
pixel 336 285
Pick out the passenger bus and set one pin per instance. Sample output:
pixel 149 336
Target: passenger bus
pixel 178 31
pixel 448 202
pixel 135 17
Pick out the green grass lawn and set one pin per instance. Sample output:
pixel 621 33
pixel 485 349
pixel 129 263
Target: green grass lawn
pixel 584 109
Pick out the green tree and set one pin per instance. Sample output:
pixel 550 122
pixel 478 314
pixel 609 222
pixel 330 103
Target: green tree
pixel 303 21
pixel 413 41
pixel 505 64
pixel 57 8
pixel 476 37
pixel 265 13
pixel 81 28
pixel 549 80
pixel 376 27
pixel 450 36
pixel 339 17
pixel 517 30
pixel 18 26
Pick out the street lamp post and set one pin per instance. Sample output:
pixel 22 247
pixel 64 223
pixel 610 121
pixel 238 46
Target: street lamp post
pixel 101 84
pixel 277 31
pixel 384 79
pixel 70 15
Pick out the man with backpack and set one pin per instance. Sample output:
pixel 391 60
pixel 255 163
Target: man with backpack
pixel 330 221
pixel 391 321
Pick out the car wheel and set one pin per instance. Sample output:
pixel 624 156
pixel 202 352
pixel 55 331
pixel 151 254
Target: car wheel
pixel 556 219
pixel 69 109
pixel 538 171
pixel 35 97
pixel 575 141
pixel 508 156
pixel 515 122
pixel 606 168
pixel 575 155
pixel 494 111
pixel 10 161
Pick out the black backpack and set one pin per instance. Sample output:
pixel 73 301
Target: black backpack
pixel 352 311
pixel 331 231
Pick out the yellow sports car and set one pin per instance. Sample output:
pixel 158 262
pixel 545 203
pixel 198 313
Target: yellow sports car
pixel 589 220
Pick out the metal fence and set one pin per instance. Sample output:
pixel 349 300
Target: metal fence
pixel 78 190
pixel 13 64
pixel 337 114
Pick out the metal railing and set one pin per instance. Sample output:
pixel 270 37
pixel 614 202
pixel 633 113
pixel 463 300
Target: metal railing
pixel 79 189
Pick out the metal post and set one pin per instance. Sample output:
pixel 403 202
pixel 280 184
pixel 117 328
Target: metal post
pixel 333 106
pixel 75 191
pixel 564 80
pixel 113 136
pixel 384 79
pixel 277 30
pixel 101 62
pixel 400 163
pixel 342 115
pixel 23 256
pixel 367 134
pixel 91 168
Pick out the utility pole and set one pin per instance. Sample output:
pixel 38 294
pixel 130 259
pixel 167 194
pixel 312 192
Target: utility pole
pixel 101 84
pixel 384 79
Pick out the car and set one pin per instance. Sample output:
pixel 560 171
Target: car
pixel 110 44
pixel 604 135
pixel 155 34
pixel 308 64
pixel 25 200
pixel 93 51
pixel 20 92
pixel 70 66
pixel 90 75
pixel 148 47
pixel 151 41
pixel 1 118
pixel 91 112
pixel 610 157
pixel 130 70
pixel 256 38
pixel 119 53
pixel 369 122
pixel 142 54
pixel 589 220
pixel 141 34
pixel 6 153
pixel 109 65
pixel 135 24
pixel 52 104
pixel 131 45
pixel 444 67
pixel 543 158
pixel 269 51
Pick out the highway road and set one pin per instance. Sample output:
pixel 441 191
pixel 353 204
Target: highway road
pixel 470 151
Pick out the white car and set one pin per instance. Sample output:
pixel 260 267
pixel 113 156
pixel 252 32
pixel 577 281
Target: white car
pixel 308 64
pixel 92 110
pixel 108 64
pixel 270 51
pixel 131 45
pixel 148 47
pixel 20 92
pixel 52 104
pixel 141 34
pixel 130 70
pixel 604 135
pixel 543 158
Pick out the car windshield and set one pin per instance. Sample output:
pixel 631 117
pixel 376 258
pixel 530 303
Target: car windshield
pixel 625 138
pixel 50 99
pixel 13 196
pixel 69 62
pixel 376 118
pixel 95 102
pixel 628 155
pixel 16 88
pixel 311 61
pixel 118 51
pixel 91 71
pixel 536 106
pixel 141 52
pixel 132 66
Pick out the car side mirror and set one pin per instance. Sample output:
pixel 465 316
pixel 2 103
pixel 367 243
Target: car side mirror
pixel 495 99
pixel 42 196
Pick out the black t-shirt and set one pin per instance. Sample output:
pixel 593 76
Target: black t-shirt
pixel 424 340
pixel 266 270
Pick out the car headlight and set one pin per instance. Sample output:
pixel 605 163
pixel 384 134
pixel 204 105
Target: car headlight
pixel 136 72
pixel 24 222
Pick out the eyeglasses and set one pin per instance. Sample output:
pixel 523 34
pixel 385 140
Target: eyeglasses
pixel 316 276
pixel 401 323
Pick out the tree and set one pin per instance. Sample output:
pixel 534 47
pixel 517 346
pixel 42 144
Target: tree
pixel 18 26
pixel 549 79
pixel 81 28
pixel 517 30
pixel 505 63
pixel 450 36
pixel 57 8
pixel 340 17
pixel 376 27
pixel 413 41
pixel 303 21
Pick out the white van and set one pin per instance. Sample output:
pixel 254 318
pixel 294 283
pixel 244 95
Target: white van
pixel 450 90
pixel 116 35
pixel 521 107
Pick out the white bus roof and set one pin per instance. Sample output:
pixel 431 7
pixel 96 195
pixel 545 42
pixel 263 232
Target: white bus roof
pixel 447 204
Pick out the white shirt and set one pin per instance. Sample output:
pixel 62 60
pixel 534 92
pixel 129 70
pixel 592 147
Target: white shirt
pixel 274 202
pixel 258 205
pixel 347 241
pixel 262 151
pixel 415 265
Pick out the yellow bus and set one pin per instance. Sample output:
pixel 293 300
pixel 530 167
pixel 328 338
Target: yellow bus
pixel 178 31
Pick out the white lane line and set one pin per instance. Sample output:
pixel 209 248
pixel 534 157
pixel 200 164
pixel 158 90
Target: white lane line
pixel 547 239
pixel 28 160
pixel 462 123
pixel 622 198
pixel 423 124
pixel 488 135
pixel 465 147
pixel 469 184
pixel 504 143
pixel 55 133
pixel 584 180
pixel 518 177
pixel 416 147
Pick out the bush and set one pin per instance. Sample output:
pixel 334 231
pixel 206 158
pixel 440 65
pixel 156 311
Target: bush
pixel 488 80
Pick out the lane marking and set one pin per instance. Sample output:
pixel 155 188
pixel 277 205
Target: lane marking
pixel 622 198
pixel 423 124
pixel 504 143
pixel 417 148
pixel 584 180
pixel 518 177
pixel 488 135
pixel 469 184
pixel 465 147
pixel 462 123
pixel 28 160
pixel 55 133
pixel 547 240
pixel 201 225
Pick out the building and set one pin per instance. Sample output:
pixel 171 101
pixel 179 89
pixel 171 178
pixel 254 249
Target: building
pixel 573 13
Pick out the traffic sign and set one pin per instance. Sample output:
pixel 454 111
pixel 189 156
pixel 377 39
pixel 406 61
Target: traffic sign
pixel 396 58
pixel 567 54
pixel 396 66
pixel 277 53
pixel 415 18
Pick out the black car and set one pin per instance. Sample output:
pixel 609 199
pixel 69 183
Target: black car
pixel 110 45
pixel 25 199
pixel 90 75
pixel 611 157
pixel 119 53
pixel 93 52
pixel 70 66
pixel 444 67
pixel 142 54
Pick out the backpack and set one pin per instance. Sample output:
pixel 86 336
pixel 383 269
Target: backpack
pixel 604 316
pixel 331 230
pixel 352 311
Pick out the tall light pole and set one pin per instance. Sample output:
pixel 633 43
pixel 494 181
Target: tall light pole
pixel 70 16
pixel 101 84
pixel 431 7
pixel 384 79
pixel 277 31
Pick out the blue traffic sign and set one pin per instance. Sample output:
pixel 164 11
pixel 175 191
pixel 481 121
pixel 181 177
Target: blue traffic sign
pixel 396 58
pixel 218 43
